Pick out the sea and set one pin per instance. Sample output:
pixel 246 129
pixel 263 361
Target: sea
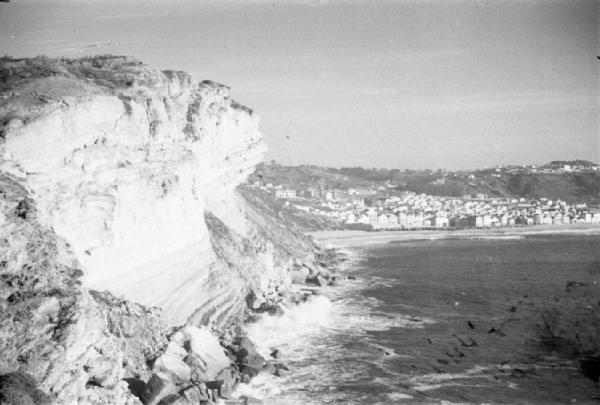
pixel 465 320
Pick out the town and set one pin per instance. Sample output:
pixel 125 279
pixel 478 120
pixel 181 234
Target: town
pixel 383 207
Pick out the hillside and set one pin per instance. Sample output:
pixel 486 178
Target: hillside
pixel 573 187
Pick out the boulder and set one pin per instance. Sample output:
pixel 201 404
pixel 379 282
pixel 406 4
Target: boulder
pixel 174 367
pixel 281 370
pixel 191 396
pixel 170 399
pixel 176 350
pixel 250 370
pixel 315 280
pixel 179 337
pixel 230 381
pixel 250 361
pixel 299 277
pixel 204 344
pixel 245 348
pixel 158 387
pixel 195 362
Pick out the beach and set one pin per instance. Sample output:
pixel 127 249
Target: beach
pixel 346 238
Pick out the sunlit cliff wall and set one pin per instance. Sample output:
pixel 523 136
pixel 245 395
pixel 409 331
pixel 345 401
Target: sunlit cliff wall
pixel 122 161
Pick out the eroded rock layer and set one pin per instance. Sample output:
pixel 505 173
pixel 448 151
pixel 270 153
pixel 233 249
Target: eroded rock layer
pixel 122 161
pixel 125 248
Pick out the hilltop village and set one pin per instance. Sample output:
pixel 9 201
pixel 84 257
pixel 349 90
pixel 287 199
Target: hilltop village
pixel 384 207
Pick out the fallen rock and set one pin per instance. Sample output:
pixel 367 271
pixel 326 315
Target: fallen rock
pixel 173 366
pixel 281 370
pixel 229 382
pixel 191 396
pixel 298 277
pixel 195 362
pixel 204 344
pixel 315 280
pixel 158 387
pixel 248 358
pixel 170 399
pixel 176 350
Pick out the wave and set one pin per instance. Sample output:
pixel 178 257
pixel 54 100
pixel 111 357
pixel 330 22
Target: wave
pixel 312 338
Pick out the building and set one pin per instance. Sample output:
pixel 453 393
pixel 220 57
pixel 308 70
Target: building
pixel 440 222
pixel 285 193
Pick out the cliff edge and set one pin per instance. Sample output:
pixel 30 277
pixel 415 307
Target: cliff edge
pixel 120 223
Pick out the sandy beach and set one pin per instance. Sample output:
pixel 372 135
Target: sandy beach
pixel 358 238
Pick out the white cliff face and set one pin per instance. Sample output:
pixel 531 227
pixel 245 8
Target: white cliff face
pixel 125 175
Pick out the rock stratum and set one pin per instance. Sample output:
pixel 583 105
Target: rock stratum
pixel 126 247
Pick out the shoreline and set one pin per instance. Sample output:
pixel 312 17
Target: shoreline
pixel 301 314
pixel 348 238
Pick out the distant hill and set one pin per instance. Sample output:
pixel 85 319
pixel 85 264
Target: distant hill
pixel 581 186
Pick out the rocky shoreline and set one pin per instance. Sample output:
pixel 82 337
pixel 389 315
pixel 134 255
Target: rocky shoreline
pixel 196 367
pixel 184 365
pixel 130 256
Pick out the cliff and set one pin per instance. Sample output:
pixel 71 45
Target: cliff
pixel 120 220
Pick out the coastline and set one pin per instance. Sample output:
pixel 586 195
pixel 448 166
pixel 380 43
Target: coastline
pixel 280 335
pixel 348 238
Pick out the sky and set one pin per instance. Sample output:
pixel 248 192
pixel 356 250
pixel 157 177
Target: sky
pixel 457 84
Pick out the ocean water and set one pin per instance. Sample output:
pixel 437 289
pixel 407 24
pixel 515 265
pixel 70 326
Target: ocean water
pixel 442 321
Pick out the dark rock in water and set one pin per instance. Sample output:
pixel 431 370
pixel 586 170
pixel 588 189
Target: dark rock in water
pixel 315 280
pixel 470 324
pixel 496 331
pixel 574 284
pixel 248 359
pixel 275 354
pixel 250 370
pixel 21 389
pixel 442 361
pixel 351 278
pixel 513 309
pixel 590 366
pixel 282 372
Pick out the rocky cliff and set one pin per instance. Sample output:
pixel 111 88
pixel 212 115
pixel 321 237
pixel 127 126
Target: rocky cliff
pixel 120 221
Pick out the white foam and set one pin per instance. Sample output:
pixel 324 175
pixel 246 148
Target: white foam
pixel 308 338
pixel 295 322
pixel 396 396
